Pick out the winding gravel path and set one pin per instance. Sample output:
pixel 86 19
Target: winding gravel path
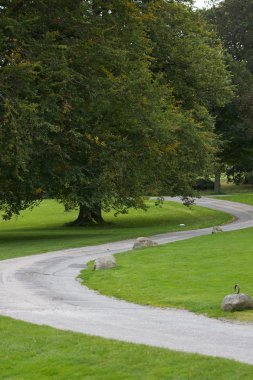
pixel 42 289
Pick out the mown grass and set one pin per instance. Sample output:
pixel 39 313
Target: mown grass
pixel 42 229
pixel 231 188
pixel 37 352
pixel 241 198
pixel 194 274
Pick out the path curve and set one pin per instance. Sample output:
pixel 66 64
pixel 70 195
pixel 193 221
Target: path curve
pixel 42 289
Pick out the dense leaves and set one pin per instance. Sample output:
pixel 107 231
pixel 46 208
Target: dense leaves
pixel 190 56
pixel 91 111
pixel 232 20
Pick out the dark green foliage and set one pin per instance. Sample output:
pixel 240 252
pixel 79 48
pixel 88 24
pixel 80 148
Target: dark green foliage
pixel 248 179
pixel 204 184
pixel 233 21
pixel 90 112
pixel 190 56
pixel 234 123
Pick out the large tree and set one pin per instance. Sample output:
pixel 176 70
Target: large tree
pixel 87 114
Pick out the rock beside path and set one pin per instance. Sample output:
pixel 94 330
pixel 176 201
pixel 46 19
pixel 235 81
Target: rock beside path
pixel 237 302
pixel 143 242
pixel 217 230
pixel 106 262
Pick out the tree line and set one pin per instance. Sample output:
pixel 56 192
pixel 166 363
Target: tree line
pixel 232 21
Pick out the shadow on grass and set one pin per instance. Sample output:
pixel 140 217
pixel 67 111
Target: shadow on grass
pixel 26 236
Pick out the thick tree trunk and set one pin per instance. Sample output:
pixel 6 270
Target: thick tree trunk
pixel 217 182
pixel 88 216
pixel 97 214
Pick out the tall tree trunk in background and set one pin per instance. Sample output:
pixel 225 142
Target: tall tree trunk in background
pixel 88 216
pixel 217 182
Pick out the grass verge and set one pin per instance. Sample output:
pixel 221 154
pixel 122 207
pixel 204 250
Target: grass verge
pixel 38 352
pixel 241 198
pixel 194 274
pixel 28 351
pixel 42 229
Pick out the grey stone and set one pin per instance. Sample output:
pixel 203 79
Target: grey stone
pixel 105 262
pixel 237 302
pixel 217 230
pixel 142 242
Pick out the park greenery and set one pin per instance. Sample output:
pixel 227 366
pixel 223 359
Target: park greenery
pixel 232 20
pixel 44 353
pixel 241 198
pixel 49 353
pixel 43 229
pixel 105 102
pixel 195 274
pixel 102 103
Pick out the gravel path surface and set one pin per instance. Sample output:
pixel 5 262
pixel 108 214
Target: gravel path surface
pixel 43 289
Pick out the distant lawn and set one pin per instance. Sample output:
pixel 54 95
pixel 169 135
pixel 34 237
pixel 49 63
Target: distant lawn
pixel 37 352
pixel 230 188
pixel 43 230
pixel 194 274
pixel 242 198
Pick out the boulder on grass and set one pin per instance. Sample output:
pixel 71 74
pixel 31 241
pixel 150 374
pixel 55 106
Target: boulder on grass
pixel 217 230
pixel 237 302
pixel 105 262
pixel 143 242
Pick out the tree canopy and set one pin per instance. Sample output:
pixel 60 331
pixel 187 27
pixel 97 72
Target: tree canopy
pixel 102 103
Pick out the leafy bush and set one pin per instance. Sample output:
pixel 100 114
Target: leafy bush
pixel 204 184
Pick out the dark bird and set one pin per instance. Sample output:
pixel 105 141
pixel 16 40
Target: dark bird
pixel 237 288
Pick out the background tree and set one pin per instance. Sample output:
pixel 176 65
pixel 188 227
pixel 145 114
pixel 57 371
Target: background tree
pixel 232 19
pixel 191 57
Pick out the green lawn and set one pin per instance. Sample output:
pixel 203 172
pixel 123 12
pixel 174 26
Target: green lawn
pixel 230 188
pixel 194 274
pixel 36 352
pixel 42 229
pixel 241 198
pixel 30 352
